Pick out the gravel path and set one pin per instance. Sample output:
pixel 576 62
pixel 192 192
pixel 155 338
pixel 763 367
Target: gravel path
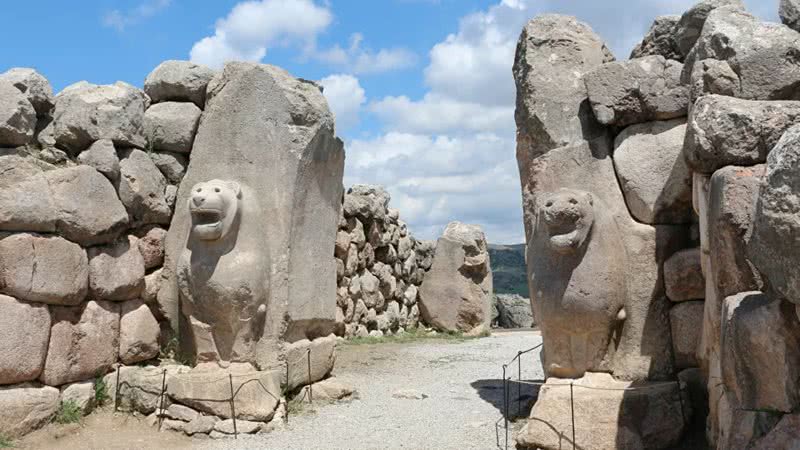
pixel 461 379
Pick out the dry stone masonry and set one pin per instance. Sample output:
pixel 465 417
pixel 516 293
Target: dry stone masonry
pixel 661 215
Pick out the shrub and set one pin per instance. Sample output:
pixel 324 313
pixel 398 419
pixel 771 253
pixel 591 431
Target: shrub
pixel 68 412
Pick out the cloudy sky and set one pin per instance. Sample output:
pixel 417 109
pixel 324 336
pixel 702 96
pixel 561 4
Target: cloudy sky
pixel 422 89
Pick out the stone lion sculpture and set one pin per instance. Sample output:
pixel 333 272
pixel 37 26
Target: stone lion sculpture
pixel 222 281
pixel 577 282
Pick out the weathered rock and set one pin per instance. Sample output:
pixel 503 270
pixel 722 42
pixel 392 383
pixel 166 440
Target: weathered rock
pixel 138 333
pixel 171 126
pixel 242 426
pixel 370 291
pixel 140 386
pixel 329 389
pixel 89 211
pixel 455 293
pixel 86 112
pixel 690 25
pixel 116 271
pixel 17 116
pixel 26 407
pixel 202 424
pixel 103 157
pixel 141 188
pixel 151 247
pixel 659 40
pixel 25 200
pixel 24 335
pixel 410 295
pixel 206 388
pixel 652 172
pixel 45 269
pixel 637 90
pixel 609 416
pixel 342 244
pixel 724 131
pixel 81 394
pixel 761 351
pixel 84 342
pixel 789 11
pixel 786 434
pixel 172 165
pixel 686 319
pixel 367 202
pixel 683 276
pixel 288 167
pixel 178 81
pixel 152 283
pixel 35 87
pixel 775 244
pixel 756 54
pixel 182 413
pixel 409 394
pixel 323 356
pixel 553 54
pixel 513 311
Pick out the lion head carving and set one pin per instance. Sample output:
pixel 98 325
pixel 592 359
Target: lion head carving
pixel 567 216
pixel 213 206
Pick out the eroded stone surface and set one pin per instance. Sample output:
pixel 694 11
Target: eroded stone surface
pixel 17 116
pixel 683 276
pixel 686 319
pixel 138 333
pixel 26 407
pixel 34 85
pixel 660 40
pixel 24 336
pixel 116 271
pixel 178 81
pixel 171 126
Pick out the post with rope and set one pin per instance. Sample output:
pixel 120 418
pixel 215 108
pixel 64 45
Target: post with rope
pixel 233 408
pixel 572 413
pixel 116 392
pixel 161 398
pixel 310 392
pixel 519 383
pixel 286 395
pixel 505 404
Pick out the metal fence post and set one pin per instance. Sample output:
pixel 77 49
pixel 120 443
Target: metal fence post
pixel 505 404
pixel 233 409
pixel 161 398
pixel 116 392
pixel 310 392
pixel 519 382
pixel 572 413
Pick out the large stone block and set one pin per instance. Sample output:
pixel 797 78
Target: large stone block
pixel 789 11
pixel 283 166
pixel 26 407
pixel 690 24
pixel 142 188
pixel 785 435
pixel 86 112
pixel 138 333
pixel 171 126
pixel 17 116
pixel 683 276
pixel 140 386
pixel 84 342
pixel 660 40
pixel 608 414
pixel 724 131
pixel 761 351
pixel 34 85
pixel 116 271
pixel 656 183
pixel 178 81
pixel 24 335
pixel 775 244
pixel 455 294
pixel 321 359
pixel 103 157
pixel 686 320
pixel 637 90
pixel 25 200
pixel 45 269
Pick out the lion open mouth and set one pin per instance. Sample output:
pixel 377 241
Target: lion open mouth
pixel 207 222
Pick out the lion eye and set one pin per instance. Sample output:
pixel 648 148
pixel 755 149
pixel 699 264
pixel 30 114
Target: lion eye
pixel 549 204
pixel 199 189
pixel 216 189
pixel 573 201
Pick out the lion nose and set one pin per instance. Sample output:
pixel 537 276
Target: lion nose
pixel 198 200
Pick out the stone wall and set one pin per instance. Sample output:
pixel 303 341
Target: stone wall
pixel 660 205
pixel 379 266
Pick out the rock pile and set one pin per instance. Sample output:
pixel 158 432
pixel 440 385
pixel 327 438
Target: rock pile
pixel 660 205
pixel 379 265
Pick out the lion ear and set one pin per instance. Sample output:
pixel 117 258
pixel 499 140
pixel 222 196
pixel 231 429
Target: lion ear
pixel 234 186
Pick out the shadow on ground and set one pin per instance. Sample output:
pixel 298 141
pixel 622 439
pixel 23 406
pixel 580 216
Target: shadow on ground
pixel 521 396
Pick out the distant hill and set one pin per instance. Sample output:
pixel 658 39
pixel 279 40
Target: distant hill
pixel 508 269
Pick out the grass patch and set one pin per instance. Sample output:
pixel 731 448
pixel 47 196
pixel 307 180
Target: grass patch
pixel 5 442
pixel 68 412
pixel 171 351
pixel 101 396
pixel 414 335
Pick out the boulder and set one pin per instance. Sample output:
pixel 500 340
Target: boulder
pixel 683 276
pixel 86 112
pixel 17 116
pixel 172 165
pixel 367 202
pixel 24 335
pixel 171 126
pixel 775 244
pixel 138 333
pixel 553 54
pixel 35 87
pixel 686 320
pixel 606 414
pixel 180 412
pixel 84 342
pixel 751 58
pixel 25 200
pixel 786 434
pixel 513 311
pixel 45 269
pixel 81 394
pixel 103 157
pixel 789 11
pixel 140 386
pixel 207 388
pixel 328 390
pixel 201 424
pixel 653 175
pixel 760 351
pixel 454 295
pixel 116 271
pixel 637 90
pixel 151 247
pixel 26 407
pixel 178 81
pixel 370 291
pixel 690 25
pixel 242 426
pixel 89 211
pixel 142 187
pixel 322 357
pixel 724 131
pixel 152 283
pixel 659 40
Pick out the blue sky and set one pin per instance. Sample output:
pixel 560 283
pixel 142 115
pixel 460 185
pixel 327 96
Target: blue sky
pixel 422 89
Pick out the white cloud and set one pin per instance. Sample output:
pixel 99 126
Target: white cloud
pixel 345 97
pixel 359 60
pixel 436 113
pixel 121 20
pixel 253 26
